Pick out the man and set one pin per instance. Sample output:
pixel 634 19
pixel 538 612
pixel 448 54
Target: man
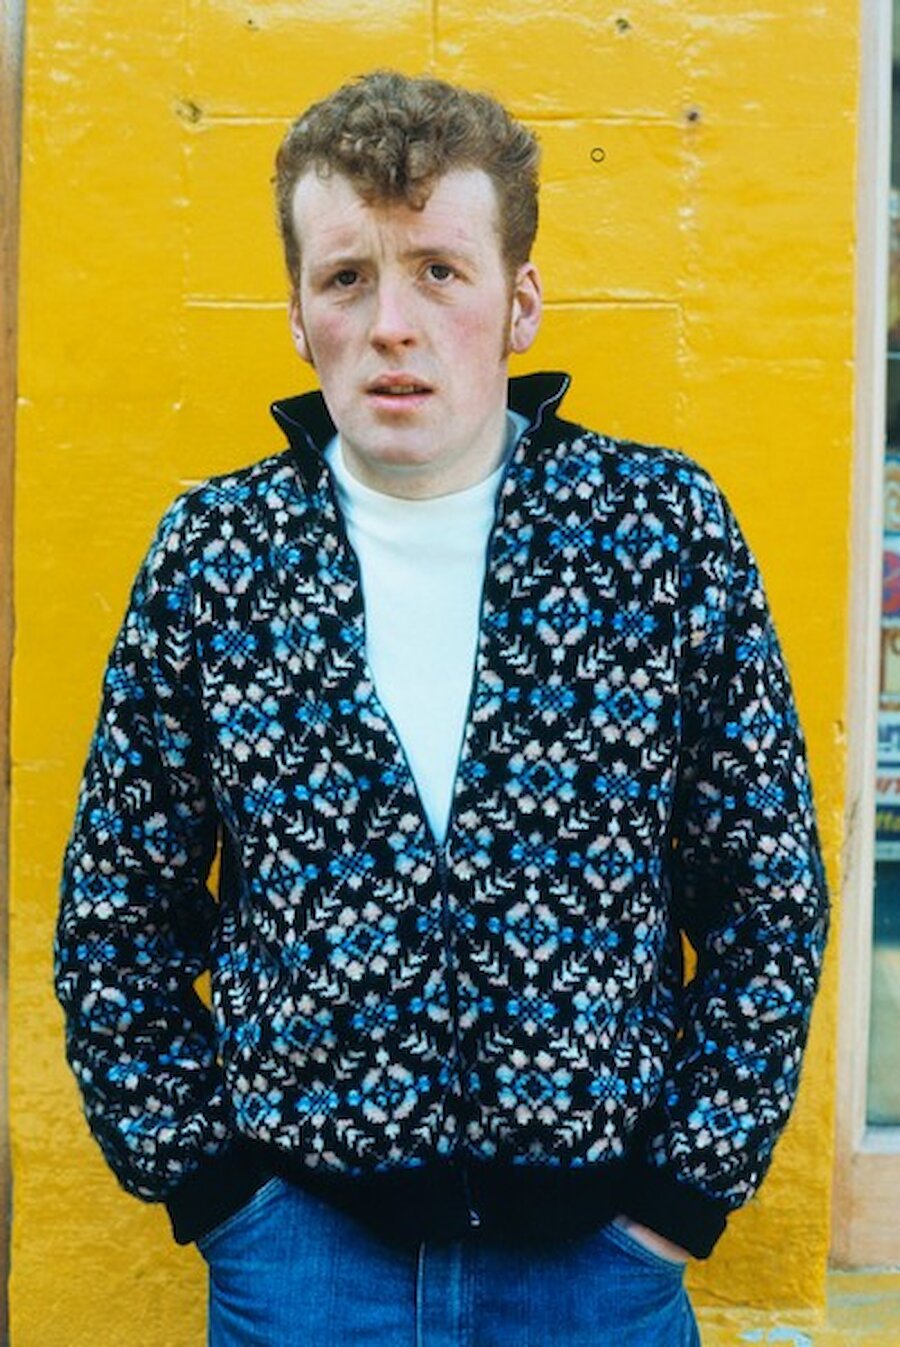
pixel 485 710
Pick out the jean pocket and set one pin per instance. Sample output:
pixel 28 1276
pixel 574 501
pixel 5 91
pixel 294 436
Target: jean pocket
pixel 242 1217
pixel 633 1247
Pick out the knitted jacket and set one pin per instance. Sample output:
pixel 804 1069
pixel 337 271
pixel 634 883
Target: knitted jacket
pixel 496 1030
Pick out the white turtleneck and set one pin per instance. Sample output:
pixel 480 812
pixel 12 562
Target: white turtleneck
pixel 422 566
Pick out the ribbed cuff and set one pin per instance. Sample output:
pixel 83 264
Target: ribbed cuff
pixel 673 1209
pixel 213 1192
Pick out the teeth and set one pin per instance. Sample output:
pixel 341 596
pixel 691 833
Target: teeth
pixel 398 388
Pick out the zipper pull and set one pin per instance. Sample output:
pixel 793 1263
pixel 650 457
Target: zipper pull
pixel 473 1214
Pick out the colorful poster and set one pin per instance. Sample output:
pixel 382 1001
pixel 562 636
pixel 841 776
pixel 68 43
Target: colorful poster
pixel 887 788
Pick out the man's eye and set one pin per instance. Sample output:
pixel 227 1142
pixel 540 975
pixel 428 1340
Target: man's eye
pixel 439 271
pixel 344 279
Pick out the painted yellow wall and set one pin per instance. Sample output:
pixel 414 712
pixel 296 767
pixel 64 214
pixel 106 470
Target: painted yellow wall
pixel 697 250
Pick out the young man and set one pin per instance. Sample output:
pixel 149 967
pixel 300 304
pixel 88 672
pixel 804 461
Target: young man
pixel 485 711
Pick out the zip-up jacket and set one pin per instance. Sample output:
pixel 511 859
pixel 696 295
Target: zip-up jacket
pixel 496 1031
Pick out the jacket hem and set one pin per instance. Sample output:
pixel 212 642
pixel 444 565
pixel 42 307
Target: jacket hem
pixel 453 1199
pixel 672 1208
pixel 215 1191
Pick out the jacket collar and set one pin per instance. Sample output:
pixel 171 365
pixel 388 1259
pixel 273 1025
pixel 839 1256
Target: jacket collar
pixel 307 424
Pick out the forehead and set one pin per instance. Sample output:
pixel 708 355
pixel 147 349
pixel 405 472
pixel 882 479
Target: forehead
pixel 461 213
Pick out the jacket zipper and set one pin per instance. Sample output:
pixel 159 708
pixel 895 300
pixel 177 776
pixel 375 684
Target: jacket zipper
pixel 472 1215
pixel 441 849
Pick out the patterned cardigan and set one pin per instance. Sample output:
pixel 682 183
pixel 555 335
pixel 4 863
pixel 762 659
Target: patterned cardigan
pixel 496 1031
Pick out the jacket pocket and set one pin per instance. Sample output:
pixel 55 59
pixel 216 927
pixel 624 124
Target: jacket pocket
pixel 243 1217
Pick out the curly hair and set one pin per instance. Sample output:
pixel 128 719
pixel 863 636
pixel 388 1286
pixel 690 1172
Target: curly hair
pixel 393 136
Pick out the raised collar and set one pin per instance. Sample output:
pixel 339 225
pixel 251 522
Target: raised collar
pixel 307 424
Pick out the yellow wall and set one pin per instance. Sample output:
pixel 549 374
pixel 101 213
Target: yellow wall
pixel 700 287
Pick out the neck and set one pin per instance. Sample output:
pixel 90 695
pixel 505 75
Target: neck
pixel 405 477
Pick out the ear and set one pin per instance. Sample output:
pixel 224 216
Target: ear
pixel 298 331
pixel 527 304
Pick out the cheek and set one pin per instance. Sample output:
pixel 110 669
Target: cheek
pixel 328 339
pixel 480 341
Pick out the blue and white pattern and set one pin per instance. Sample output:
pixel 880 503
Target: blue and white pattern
pixel 632 768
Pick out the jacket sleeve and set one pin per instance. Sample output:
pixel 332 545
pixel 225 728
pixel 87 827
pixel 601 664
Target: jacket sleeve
pixel 749 891
pixel 136 918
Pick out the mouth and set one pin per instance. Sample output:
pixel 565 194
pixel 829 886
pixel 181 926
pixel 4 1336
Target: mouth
pixel 398 387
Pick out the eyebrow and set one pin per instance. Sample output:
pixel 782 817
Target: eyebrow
pixel 441 250
pixel 339 260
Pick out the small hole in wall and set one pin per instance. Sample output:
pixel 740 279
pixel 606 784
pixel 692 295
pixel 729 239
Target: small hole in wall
pixel 188 111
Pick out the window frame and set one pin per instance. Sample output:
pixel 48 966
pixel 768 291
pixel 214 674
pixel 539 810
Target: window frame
pixel 866 1195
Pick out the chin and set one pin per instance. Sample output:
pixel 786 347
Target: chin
pixel 398 457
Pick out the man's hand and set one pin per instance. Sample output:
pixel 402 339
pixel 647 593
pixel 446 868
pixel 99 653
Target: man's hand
pixel 651 1240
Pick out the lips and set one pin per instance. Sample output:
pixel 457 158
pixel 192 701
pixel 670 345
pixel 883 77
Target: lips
pixel 399 385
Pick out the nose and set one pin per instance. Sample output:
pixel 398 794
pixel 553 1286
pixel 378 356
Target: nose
pixel 393 321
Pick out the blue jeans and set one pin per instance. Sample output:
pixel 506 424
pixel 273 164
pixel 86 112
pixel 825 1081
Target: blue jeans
pixel 288 1270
